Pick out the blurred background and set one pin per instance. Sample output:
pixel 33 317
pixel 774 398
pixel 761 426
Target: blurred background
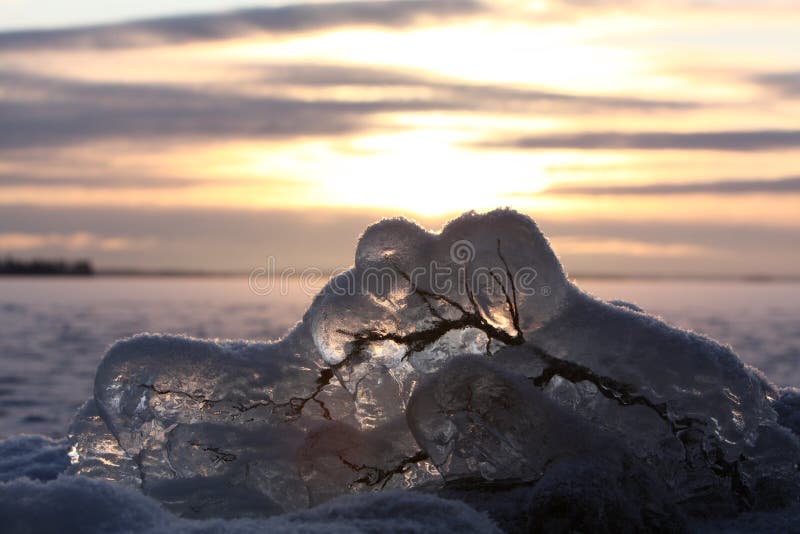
pixel 656 144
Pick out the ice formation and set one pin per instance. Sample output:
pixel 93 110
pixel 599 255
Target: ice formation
pixel 463 359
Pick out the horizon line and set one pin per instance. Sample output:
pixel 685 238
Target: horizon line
pixel 633 276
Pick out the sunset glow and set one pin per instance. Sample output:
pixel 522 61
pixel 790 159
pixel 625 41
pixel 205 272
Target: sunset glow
pixel 416 108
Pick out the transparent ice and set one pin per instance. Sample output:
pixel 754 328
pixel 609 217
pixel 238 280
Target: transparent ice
pixel 464 358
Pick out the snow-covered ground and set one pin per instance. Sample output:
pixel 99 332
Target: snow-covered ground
pixel 53 332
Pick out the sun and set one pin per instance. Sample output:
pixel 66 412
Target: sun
pixel 426 172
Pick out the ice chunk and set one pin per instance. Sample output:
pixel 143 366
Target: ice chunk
pixel 438 358
pixel 476 420
pixel 95 452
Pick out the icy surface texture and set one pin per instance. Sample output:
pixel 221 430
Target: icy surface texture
pixel 438 359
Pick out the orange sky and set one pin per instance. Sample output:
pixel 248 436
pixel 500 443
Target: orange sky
pixel 643 139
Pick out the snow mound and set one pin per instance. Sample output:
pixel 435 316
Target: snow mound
pixel 34 457
pixel 439 360
pixel 81 504
pixel 787 405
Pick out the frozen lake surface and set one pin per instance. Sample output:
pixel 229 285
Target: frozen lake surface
pixel 54 331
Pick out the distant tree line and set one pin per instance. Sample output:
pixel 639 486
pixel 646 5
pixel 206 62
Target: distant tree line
pixel 46 267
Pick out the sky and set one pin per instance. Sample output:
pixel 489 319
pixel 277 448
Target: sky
pixel 643 137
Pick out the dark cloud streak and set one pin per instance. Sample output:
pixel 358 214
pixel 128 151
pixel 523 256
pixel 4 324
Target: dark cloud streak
pixel 496 97
pixel 784 83
pixel 274 20
pixel 117 180
pixel 741 140
pixel 722 187
pixel 75 112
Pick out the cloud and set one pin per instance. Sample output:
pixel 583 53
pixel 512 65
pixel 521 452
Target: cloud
pixel 740 140
pixel 465 94
pixel 77 241
pixel 623 247
pixel 275 20
pixel 125 180
pixel 784 83
pixel 76 112
pixel 70 111
pixel 723 187
pixel 720 235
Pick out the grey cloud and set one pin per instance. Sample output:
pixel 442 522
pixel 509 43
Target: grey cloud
pixel 726 187
pixel 274 20
pixel 73 112
pixel 115 179
pixel 497 97
pixel 731 249
pixel 741 140
pixel 720 235
pixel 784 83
pixel 118 182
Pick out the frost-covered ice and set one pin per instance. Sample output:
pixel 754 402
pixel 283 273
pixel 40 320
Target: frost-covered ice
pixel 462 364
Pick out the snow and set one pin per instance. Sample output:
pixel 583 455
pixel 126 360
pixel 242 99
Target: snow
pixel 34 457
pixel 44 503
pixel 81 504
pixel 35 496
pixel 787 405
pixel 456 364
